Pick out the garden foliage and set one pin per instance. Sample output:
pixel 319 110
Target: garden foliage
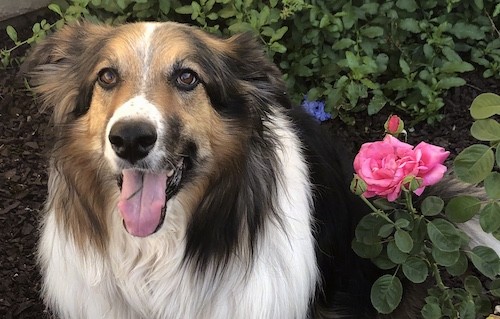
pixel 364 55
pixel 420 242
pixel 353 55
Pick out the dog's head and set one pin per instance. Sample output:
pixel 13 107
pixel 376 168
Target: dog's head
pixel 158 106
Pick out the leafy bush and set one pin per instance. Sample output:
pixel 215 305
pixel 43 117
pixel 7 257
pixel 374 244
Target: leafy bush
pixel 354 55
pixel 416 243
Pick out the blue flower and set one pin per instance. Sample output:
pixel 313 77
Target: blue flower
pixel 316 109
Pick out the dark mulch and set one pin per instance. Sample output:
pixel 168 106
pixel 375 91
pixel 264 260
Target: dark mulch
pixel 23 177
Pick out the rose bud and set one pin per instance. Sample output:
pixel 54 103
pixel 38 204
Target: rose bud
pixel 412 183
pixel 394 125
pixel 358 186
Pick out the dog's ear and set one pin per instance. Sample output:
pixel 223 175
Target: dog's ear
pixel 240 73
pixel 58 68
pixel 256 68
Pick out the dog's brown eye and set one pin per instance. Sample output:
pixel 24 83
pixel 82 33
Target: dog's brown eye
pixel 187 80
pixel 107 78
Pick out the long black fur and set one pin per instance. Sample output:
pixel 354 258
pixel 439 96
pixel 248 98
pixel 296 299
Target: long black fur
pixel 245 193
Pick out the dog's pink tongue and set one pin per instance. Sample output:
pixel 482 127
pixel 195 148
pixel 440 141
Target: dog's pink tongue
pixel 141 201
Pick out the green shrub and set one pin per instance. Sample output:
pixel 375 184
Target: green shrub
pixel 355 55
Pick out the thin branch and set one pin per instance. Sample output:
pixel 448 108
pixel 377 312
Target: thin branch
pixel 492 23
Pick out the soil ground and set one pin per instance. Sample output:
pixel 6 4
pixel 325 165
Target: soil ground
pixel 23 178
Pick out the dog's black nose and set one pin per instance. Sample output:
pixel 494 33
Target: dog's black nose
pixel 132 140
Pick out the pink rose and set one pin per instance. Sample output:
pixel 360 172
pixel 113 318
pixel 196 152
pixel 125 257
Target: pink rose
pixel 383 165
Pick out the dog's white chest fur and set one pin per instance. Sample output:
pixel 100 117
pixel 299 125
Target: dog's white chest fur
pixel 146 277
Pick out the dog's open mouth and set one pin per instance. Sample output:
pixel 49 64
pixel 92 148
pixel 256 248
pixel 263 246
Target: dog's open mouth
pixel 144 196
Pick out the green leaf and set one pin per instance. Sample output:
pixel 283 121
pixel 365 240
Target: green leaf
pixel 365 250
pixel 264 15
pixel 352 60
pixel 395 254
pixel 474 163
pixel 462 208
pixel 383 204
pixel 240 27
pixel 122 4
pixel 12 33
pixel 483 305
pixel 36 27
pixel 376 104
pixel 278 47
pixel 485 105
pixel 456 67
pixel 496 234
pixel 372 32
pixel 408 5
pixel 405 68
pixel 164 6
pixel 432 206
pixel 464 30
pixel 450 82
pixel 398 84
pixel 489 219
pixel 325 21
pixel 279 33
pixel 497 156
pixel 428 51
pixel 460 267
pixel 497 10
pixel 473 285
pixel 479 4
pixel 55 8
pixel 453 57
pixel 485 260
pixel 486 130
pixel 445 258
pixel 431 311
pixel 386 230
pixel 495 287
pixel 355 91
pixel 415 269
pixel 226 12
pixel 403 240
pixel 184 9
pixel 444 235
pixel 343 44
pixel 349 17
pixel 212 16
pixel 410 25
pixel 488 73
pixel 386 293
pixel 492 185
pixel 383 262
pixel 368 228
pixel 370 8
pixel 467 310
pixel 402 223
pixel 418 234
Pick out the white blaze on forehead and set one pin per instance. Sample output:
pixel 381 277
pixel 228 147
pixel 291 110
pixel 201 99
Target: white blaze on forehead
pixel 145 48
pixel 137 108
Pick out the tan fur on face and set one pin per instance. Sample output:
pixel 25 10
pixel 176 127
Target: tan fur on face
pixel 144 56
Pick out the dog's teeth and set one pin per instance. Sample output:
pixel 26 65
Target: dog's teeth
pixel 180 163
pixel 170 173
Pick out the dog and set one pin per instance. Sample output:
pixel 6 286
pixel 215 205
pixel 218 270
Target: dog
pixel 183 184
